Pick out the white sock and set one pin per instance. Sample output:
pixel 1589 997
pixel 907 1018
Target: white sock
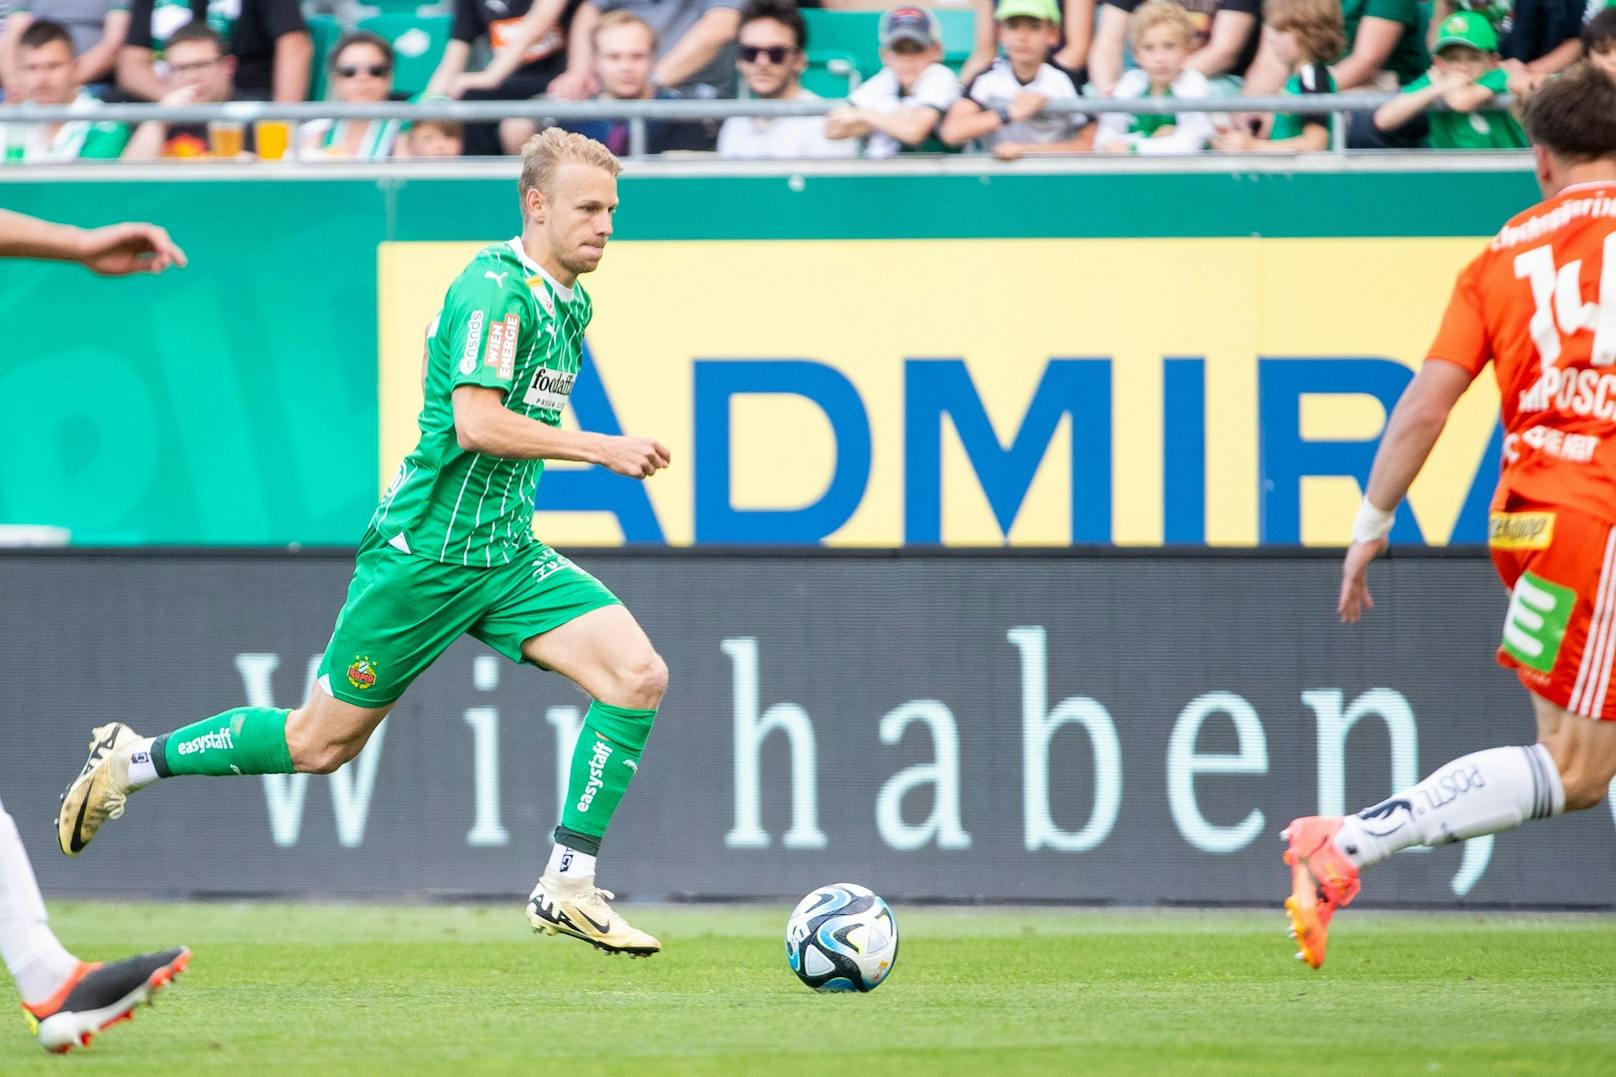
pixel 39 963
pixel 570 864
pixel 1482 793
pixel 142 771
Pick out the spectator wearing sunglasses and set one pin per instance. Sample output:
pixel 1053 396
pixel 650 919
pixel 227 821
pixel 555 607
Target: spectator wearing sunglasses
pixel 770 48
pixel 361 70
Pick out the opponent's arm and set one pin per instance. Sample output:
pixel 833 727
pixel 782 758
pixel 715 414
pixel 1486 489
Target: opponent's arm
pixel 1412 430
pixel 484 424
pixel 116 250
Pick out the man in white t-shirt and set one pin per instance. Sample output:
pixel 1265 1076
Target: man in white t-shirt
pixel 1003 108
pixel 901 106
pixel 770 48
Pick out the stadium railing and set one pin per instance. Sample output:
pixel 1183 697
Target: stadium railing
pixel 640 113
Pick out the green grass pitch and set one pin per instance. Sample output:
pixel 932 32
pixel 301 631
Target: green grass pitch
pixel 363 989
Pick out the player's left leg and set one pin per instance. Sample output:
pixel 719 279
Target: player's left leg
pixel 1570 768
pixel 607 654
pixel 66 1000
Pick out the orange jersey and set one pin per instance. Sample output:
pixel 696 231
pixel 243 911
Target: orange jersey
pixel 1537 304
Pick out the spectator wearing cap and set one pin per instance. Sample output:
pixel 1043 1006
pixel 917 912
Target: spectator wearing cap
pixel 1071 52
pixel 361 73
pixel 901 106
pixel 1003 108
pixel 1466 75
pixel 1599 37
pixel 770 48
pixel 1226 38
pixel 695 53
pixel 1536 38
pixel 268 42
pixel 97 28
pixel 47 75
pixel 1163 35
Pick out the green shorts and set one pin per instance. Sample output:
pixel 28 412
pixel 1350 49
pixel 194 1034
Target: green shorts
pixel 403 611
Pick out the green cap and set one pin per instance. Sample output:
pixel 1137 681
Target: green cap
pixel 1466 28
pixel 1047 10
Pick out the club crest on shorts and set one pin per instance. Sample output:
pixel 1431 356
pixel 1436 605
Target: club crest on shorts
pixel 362 672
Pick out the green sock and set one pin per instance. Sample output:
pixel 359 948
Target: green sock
pixel 247 740
pixel 606 757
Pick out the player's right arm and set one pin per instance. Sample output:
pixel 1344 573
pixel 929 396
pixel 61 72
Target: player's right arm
pixel 484 424
pixel 1460 352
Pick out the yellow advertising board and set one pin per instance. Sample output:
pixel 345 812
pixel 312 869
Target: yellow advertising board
pixel 984 392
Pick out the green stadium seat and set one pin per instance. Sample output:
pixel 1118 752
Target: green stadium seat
pixel 418 44
pixel 325 30
pixel 829 73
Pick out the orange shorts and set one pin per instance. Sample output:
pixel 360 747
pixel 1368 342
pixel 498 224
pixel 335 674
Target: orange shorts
pixel 1560 630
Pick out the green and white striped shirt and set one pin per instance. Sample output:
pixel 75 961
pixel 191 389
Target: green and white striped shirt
pixel 507 325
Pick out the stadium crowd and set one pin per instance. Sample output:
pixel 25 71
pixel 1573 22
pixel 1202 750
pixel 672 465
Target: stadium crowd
pixel 962 75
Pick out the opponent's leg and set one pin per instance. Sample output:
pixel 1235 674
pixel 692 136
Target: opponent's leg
pixel 607 654
pixel 317 737
pixel 65 999
pixel 1568 769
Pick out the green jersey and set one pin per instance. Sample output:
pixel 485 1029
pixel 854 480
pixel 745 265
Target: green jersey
pixel 505 325
pixel 1408 59
pixel 1483 129
pixel 1309 79
pixel 76 140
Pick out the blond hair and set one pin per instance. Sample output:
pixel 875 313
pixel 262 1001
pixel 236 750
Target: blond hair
pixel 622 17
pixel 1154 13
pixel 1316 24
pixel 548 149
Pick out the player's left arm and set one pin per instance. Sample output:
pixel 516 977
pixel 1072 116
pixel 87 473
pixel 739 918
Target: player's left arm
pixel 1416 423
pixel 116 250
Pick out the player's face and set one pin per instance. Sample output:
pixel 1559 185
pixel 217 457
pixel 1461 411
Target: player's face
pixel 577 215
pixel 1160 52
pixel 47 74
pixel 769 59
pixel 199 64
pixel 623 58
pixel 1027 41
pixel 1462 60
pixel 361 73
pixel 908 60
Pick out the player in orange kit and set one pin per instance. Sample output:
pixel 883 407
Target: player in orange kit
pixel 1538 305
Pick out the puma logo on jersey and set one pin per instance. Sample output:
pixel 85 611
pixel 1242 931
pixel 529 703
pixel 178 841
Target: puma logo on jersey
pixel 497 278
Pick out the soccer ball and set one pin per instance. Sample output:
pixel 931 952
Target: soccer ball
pixel 842 937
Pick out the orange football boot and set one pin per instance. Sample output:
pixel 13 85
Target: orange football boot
pixel 1322 881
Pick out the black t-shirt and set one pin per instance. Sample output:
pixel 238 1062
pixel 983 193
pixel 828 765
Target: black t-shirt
pixel 1536 28
pixel 1203 11
pixel 250 26
pixel 498 19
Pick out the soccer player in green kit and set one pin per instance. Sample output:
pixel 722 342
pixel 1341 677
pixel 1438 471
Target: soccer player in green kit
pixel 450 550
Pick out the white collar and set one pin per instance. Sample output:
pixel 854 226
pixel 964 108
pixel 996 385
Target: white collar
pixel 562 293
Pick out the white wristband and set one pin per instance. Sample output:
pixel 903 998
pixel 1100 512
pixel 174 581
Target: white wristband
pixel 1372 524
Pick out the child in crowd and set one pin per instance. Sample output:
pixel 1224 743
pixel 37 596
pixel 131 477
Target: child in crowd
pixel 900 107
pixel 434 138
pixel 1162 35
pixel 1599 39
pixel 1003 106
pixel 1308 35
pixel 1466 75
